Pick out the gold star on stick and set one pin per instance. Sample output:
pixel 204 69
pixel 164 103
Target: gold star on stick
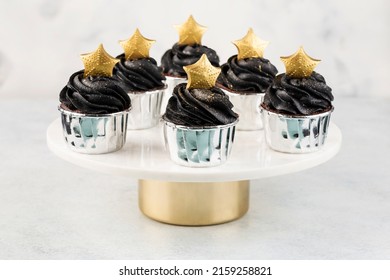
pixel 190 32
pixel 137 46
pixel 201 74
pixel 250 46
pixel 98 63
pixel 299 64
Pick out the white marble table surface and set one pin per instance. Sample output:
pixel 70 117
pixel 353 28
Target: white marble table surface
pixel 51 209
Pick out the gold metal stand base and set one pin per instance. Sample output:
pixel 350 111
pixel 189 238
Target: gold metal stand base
pixel 192 203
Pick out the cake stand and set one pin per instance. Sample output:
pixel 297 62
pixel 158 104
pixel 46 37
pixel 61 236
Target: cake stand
pixel 180 195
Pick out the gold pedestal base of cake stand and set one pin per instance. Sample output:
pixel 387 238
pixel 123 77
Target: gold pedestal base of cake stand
pixel 193 203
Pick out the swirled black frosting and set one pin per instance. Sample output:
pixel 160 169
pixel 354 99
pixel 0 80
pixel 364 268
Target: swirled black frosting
pixel 299 96
pixel 248 75
pixel 139 74
pixel 173 60
pixel 94 95
pixel 199 107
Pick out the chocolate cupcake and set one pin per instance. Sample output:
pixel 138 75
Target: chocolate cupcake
pixel 142 79
pixel 187 51
pixel 199 121
pixel 297 107
pixel 94 107
pixel 245 78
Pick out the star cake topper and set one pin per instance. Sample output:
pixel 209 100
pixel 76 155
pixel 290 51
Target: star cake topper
pixel 98 63
pixel 250 46
pixel 299 64
pixel 190 32
pixel 202 74
pixel 137 46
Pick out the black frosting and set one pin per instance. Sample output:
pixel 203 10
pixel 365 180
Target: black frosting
pixel 199 107
pixel 94 95
pixel 139 74
pixel 173 60
pixel 248 75
pixel 299 96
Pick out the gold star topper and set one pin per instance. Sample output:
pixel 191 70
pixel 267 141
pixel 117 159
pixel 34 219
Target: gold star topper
pixel 137 46
pixel 190 32
pixel 202 74
pixel 250 46
pixel 299 64
pixel 98 63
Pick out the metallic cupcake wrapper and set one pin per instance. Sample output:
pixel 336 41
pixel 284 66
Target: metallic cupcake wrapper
pixel 199 147
pixel 247 107
pixel 146 106
pixel 94 134
pixel 171 82
pixel 295 134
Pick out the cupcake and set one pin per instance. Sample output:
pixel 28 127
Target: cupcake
pixel 185 52
pixel 245 78
pixel 297 107
pixel 199 121
pixel 94 107
pixel 142 79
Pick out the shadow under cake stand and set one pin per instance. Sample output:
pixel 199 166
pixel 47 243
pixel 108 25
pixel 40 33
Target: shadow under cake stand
pixel 179 195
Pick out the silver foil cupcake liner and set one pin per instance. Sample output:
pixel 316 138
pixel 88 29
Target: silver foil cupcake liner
pixel 94 134
pixel 247 106
pixel 199 147
pixel 295 134
pixel 145 111
pixel 171 82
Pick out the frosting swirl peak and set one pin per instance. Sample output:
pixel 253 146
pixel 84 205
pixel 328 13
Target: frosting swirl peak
pixel 248 75
pixel 94 95
pixel 138 74
pixel 173 60
pixel 299 96
pixel 199 107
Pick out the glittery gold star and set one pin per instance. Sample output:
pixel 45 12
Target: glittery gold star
pixel 98 63
pixel 201 74
pixel 137 46
pixel 299 64
pixel 250 46
pixel 190 32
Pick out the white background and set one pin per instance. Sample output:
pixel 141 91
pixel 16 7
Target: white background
pixel 41 39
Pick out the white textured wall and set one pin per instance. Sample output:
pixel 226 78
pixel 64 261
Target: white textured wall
pixel 40 40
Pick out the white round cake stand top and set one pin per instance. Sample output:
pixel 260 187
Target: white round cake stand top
pixel 145 156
